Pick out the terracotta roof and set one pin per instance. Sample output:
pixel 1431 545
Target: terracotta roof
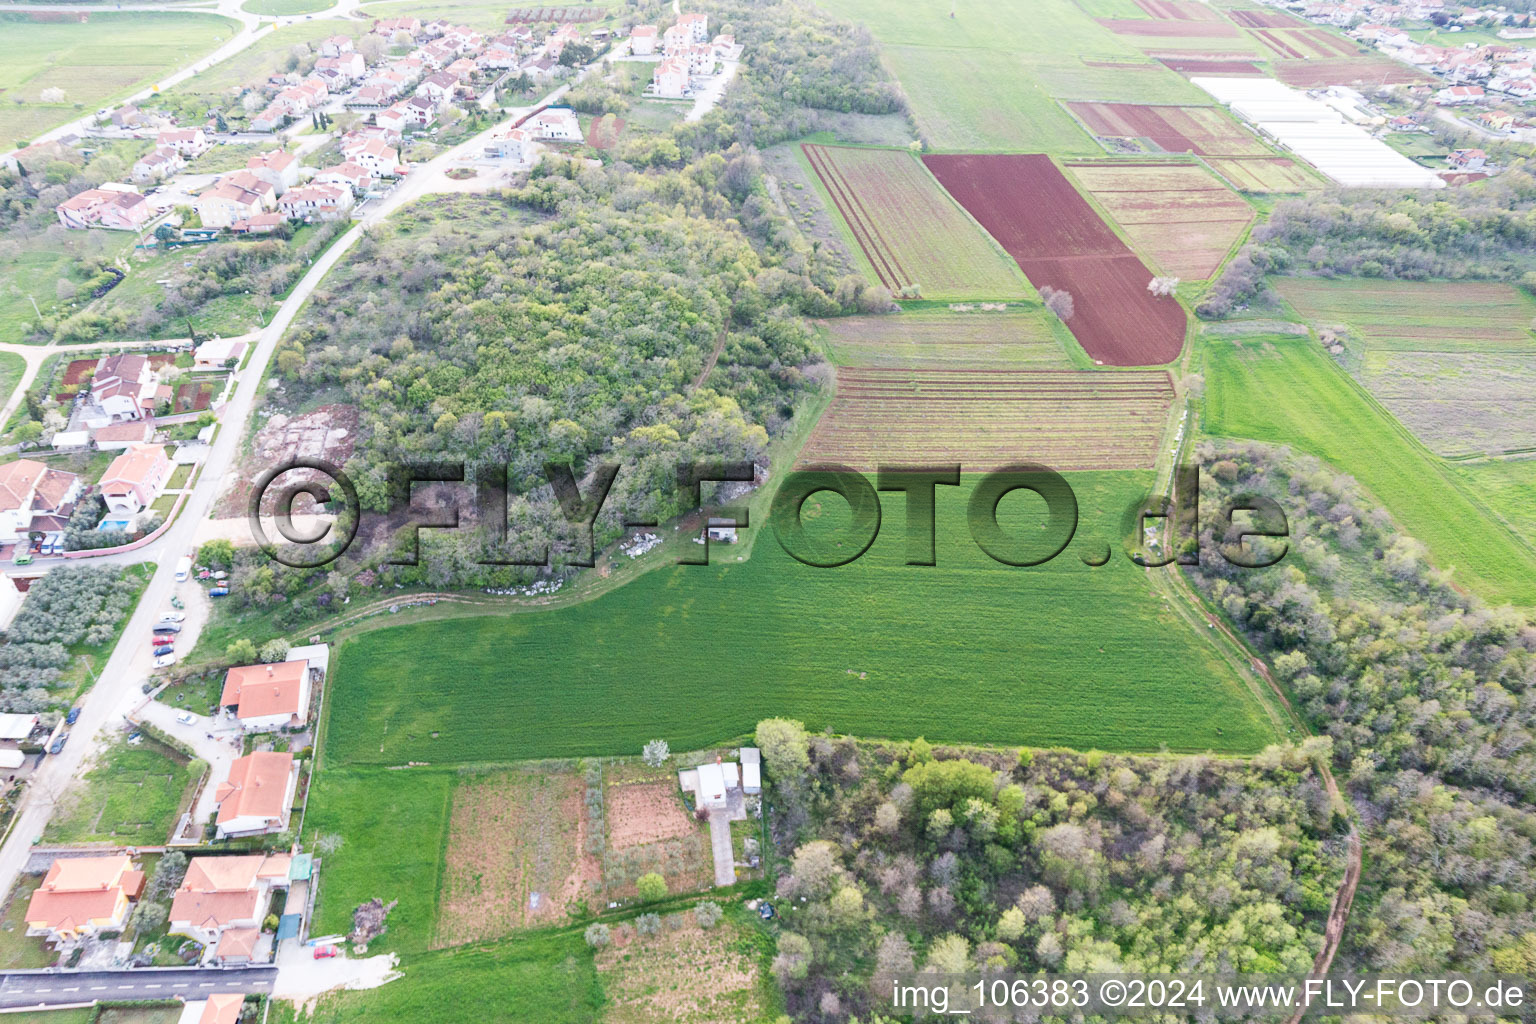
pixel 17 481
pixel 53 487
pixel 233 874
pixel 215 910
pixel 131 430
pixel 77 890
pixel 133 470
pixel 238 942
pixel 257 787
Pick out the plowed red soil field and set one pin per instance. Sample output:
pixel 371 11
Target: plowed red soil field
pixel 983 419
pixel 1201 66
pixel 1204 130
pixel 1179 10
pixel 1059 241
pixel 1265 19
pixel 1361 68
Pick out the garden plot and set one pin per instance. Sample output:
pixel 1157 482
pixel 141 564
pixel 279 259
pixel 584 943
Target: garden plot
pixel 516 855
pixel 683 974
pixel 948 339
pixel 649 829
pixel 1172 129
pixel 1177 214
pixel 987 419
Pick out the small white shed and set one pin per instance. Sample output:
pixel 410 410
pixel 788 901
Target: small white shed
pixel 751 771
pixel 711 791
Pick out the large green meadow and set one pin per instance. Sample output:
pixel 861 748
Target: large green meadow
pixel 111 54
pixel 1288 391
pixel 970 649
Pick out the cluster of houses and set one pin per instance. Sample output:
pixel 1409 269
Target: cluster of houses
pixel 174 147
pixel 686 51
pixel 1470 71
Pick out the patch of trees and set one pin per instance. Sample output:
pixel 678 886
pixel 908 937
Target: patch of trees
pixel 1429 699
pixel 1483 231
pixel 70 605
pixel 914 857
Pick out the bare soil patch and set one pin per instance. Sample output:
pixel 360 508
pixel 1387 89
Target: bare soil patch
pixel 515 859
pixel 682 975
pixel 646 812
pixel 328 433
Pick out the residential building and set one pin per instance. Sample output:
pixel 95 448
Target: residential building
pixel 189 142
pixel 261 224
pixel 438 88
pixel 555 123
pixel 378 157
pixel 157 165
pixel 268 697
pixel 220 893
pixel 30 489
pixel 124 386
pixel 349 67
pixel 1456 94
pixel 670 78
pixel 118 436
pixel 105 208
pixel 642 40
pixel 347 174
pixel 316 202
pixel 515 145
pixel 696 24
pixel 258 794
pixel 675 38
pixel 420 111
pixel 336 46
pixel 253 183
pixel 1467 160
pixel 387 27
pixel 226 203
pixel 279 168
pixel 222 1009
pixel 394 121
pixel 134 479
pixel 462 70
pixel 497 58
pixel 84 896
pixel 216 353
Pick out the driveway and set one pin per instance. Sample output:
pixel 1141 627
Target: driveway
pixel 706 100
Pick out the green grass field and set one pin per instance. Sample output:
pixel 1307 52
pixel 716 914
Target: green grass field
pixel 1508 487
pixel 989 78
pixel 130 798
pixel 548 978
pixel 12 366
pixel 1427 316
pixel 393 825
pixel 1286 390
pixel 283 8
pixel 969 649
pixel 908 229
pixel 266 56
pixel 112 54
pixel 940 338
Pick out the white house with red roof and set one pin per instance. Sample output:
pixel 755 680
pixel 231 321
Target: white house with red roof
pixel 316 202
pixel 554 123
pixel 420 111
pixel 268 697
pixel 189 142
pixel 1458 94
pixel 350 66
pixel 278 167
pixel 220 894
pixel 124 387
pixel 387 27
pixel 258 794
pixel 346 174
pixel 29 489
pixel 109 208
pixel 380 158
pixel 226 203
pixel 84 896
pixel 134 479
pixel 157 165
pixel 642 40
pixel 669 78
pixel 335 46
pixel 697 25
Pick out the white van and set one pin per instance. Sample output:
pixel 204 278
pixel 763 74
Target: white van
pixel 183 568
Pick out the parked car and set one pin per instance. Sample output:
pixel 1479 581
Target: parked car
pixel 25 558
pixel 165 660
pixel 58 744
pixel 185 718
pixel 219 592
pixel 326 952
pixel 72 717
pixel 162 650
pixel 173 617
pixel 167 626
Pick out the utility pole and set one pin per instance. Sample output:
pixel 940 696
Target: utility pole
pixel 34 306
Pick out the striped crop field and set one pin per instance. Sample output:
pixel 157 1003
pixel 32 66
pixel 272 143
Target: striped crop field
pixel 909 229
pixel 1065 419
pixel 1178 214
pixel 947 339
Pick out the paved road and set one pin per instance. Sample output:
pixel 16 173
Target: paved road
pixel 20 989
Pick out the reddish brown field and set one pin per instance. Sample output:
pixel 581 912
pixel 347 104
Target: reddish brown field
pixel 1179 10
pixel 1178 214
pixel 1265 19
pixel 1059 241
pixel 984 419
pixel 1177 29
pixel 1213 66
pixel 646 812
pixel 1368 69
pixel 1204 130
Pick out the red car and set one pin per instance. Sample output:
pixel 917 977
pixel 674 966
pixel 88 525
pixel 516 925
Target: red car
pixel 326 952
pixel 163 641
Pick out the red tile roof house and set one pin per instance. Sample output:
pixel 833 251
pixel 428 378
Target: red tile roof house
pixel 226 203
pixel 253 183
pixel 350 66
pixel 277 167
pixel 420 111
pixel 29 489
pixel 133 480
pixel 387 27
pixel 220 893
pixel 438 88
pixel 316 202
pixel 189 142
pixel 395 120
pixel 348 175
pixel 156 165
pixel 261 224
pixel 118 436
pixel 258 795
pixel 105 208
pixel 222 1009
pixel 124 387
pixel 84 896
pixel 335 46
pixel 376 155
pixel 642 40
pixel 266 698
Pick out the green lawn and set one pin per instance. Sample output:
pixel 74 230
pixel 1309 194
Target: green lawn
pixel 990 77
pixel 283 8
pixel 19 951
pixel 131 797
pixel 227 157
pixel 1287 390
pixel 84 1015
pixel 266 56
pixel 1508 487
pixel 12 366
pixel 548 978
pixel 33 274
pixel 393 825
pixel 970 649
pixel 112 54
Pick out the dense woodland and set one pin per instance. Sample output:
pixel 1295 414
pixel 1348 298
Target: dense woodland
pixel 907 856
pixel 1429 699
pixel 1483 231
